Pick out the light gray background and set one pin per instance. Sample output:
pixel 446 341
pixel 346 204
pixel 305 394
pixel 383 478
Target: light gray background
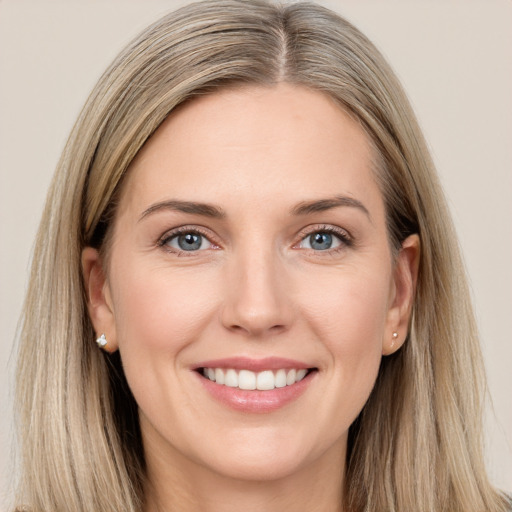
pixel 454 58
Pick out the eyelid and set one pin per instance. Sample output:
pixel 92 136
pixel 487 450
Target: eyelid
pixel 344 236
pixel 174 232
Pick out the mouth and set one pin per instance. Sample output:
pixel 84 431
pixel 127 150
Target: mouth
pixel 255 385
pixel 248 380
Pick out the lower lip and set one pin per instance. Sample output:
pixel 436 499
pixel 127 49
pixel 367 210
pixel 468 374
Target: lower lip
pixel 257 401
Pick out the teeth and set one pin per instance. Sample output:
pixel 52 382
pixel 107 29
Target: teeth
pixel 230 379
pixel 300 375
pixel 265 380
pixel 280 381
pixel 219 375
pixel 245 379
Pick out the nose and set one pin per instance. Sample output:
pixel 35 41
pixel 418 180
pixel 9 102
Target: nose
pixel 257 299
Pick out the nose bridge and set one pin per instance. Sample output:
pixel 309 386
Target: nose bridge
pixel 256 298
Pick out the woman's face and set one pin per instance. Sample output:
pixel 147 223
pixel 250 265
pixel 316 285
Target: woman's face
pixel 250 247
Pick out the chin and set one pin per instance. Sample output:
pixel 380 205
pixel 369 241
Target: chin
pixel 268 455
pixel 259 468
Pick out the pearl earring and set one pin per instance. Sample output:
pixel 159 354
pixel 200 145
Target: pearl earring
pixel 395 336
pixel 102 341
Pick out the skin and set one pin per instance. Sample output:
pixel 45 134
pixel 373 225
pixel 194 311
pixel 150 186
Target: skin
pixel 256 288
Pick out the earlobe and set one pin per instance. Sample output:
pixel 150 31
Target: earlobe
pixel 404 281
pixel 99 300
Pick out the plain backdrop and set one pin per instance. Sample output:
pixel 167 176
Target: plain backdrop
pixel 454 58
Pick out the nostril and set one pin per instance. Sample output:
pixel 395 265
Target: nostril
pixel 277 328
pixel 254 328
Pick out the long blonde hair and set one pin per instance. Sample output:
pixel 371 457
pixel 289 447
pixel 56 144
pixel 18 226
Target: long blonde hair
pixel 417 443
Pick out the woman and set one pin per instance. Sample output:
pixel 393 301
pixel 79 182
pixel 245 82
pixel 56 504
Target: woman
pixel 247 221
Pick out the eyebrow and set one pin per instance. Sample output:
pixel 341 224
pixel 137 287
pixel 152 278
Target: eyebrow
pixel 321 205
pixel 214 212
pixel 204 209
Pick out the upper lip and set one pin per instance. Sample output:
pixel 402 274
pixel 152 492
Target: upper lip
pixel 255 365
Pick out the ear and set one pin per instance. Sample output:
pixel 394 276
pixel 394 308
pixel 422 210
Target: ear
pixel 99 299
pixel 405 275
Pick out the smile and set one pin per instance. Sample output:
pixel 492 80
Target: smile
pixel 248 380
pixel 255 385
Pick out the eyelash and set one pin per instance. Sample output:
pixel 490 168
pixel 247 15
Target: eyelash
pixel 344 237
pixel 183 230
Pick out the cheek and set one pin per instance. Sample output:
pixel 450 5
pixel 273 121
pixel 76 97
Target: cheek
pixel 349 306
pixel 159 314
pixel 349 317
pixel 159 311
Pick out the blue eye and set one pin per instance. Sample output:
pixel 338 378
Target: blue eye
pixel 188 241
pixel 321 241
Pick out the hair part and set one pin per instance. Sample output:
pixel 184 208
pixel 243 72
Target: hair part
pixel 417 443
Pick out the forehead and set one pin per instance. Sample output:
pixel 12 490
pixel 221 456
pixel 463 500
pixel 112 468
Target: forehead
pixel 283 144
